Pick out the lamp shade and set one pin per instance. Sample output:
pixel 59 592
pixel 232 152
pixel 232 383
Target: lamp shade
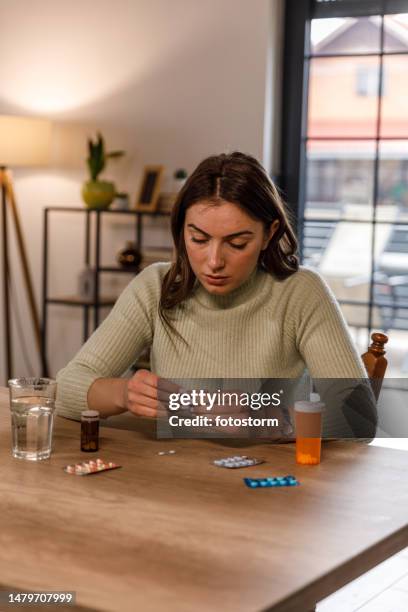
pixel 24 141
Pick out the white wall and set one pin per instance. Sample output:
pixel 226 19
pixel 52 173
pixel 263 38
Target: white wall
pixel 169 82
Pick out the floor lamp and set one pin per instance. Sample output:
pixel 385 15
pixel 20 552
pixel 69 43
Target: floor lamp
pixel 24 142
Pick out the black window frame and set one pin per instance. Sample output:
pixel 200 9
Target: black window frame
pixel 296 59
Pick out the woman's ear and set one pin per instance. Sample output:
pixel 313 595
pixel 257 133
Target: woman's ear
pixel 270 233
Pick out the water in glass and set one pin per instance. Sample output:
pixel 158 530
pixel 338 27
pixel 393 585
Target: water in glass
pixel 32 422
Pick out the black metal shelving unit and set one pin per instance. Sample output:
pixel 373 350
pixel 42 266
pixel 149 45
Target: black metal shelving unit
pixel 97 302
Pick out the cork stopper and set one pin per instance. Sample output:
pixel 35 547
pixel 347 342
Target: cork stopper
pixel 89 415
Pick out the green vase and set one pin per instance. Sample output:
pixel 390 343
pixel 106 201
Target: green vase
pixel 98 194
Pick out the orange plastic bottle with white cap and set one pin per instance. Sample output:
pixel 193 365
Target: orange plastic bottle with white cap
pixel 308 421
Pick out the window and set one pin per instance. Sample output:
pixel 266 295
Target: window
pixel 367 81
pixel 345 156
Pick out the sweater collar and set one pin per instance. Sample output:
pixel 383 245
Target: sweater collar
pixel 249 289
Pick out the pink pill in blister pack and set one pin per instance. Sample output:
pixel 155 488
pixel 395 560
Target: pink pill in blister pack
pixel 94 466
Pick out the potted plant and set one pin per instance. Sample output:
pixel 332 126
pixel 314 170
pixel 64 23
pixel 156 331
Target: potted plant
pixel 97 193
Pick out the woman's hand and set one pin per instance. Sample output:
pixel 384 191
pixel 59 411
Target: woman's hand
pixel 147 395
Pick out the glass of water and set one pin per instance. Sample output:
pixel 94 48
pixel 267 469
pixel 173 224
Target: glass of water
pixel 32 405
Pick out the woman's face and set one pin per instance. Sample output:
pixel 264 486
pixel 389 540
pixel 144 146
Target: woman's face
pixel 223 244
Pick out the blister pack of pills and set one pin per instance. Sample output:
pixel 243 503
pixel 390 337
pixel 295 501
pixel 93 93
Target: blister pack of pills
pixel 238 461
pixel 277 481
pixel 94 466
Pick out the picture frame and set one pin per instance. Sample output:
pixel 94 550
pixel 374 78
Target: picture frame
pixel 148 196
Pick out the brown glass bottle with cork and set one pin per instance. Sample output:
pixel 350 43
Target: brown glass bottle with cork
pixel 89 431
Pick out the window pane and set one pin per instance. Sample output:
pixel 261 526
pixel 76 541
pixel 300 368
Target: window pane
pixel 391 291
pixel 316 240
pixel 394 116
pixel 343 100
pixel 392 202
pixel 339 179
pixel 358 35
pixel 396 32
pixel 357 320
pixel 392 250
pixel 341 252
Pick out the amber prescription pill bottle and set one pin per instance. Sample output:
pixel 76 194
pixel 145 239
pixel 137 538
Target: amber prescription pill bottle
pixel 89 430
pixel 308 421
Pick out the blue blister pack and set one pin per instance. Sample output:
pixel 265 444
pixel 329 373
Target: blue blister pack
pixel 278 481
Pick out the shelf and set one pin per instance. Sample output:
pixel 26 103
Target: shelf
pixel 118 269
pixel 146 261
pixel 72 300
pixel 157 250
pixel 93 222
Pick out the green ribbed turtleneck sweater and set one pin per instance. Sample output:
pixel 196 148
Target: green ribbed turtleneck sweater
pixel 266 328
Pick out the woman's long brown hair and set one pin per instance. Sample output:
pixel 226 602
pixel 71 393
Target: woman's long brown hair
pixel 240 179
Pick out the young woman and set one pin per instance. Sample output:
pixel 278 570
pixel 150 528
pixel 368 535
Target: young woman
pixel 233 304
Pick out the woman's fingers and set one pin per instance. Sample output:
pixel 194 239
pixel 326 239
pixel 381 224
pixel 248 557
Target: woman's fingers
pixel 149 384
pixel 142 411
pixel 144 382
pixel 148 395
pixel 142 400
pixel 142 394
pixel 148 378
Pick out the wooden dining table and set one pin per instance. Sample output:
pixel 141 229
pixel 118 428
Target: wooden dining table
pixel 176 533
